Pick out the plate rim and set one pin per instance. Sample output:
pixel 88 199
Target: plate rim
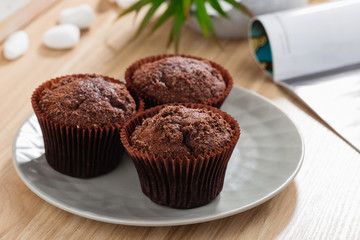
pixel 90 215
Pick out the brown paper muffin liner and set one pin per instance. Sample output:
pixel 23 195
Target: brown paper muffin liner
pixel 79 151
pixel 184 181
pixel 151 102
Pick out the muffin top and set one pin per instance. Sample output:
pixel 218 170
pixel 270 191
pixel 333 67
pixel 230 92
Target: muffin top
pixel 179 79
pixel 87 101
pixel 178 130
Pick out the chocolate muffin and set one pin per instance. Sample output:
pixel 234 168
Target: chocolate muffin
pixel 177 130
pixel 80 118
pixel 89 101
pixel 179 79
pixel 181 152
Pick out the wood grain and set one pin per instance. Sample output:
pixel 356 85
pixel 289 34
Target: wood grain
pixel 322 203
pixel 20 16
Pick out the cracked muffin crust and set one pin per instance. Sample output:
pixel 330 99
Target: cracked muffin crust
pixel 87 101
pixel 178 130
pixel 179 79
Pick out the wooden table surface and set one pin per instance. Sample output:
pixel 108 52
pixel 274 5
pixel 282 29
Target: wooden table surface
pixel 323 202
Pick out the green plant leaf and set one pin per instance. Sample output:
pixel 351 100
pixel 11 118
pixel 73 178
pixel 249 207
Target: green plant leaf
pixel 170 11
pixel 201 16
pixel 186 7
pixel 204 19
pixel 180 11
pixel 178 22
pixel 155 5
pixel 135 7
pixel 215 4
pixel 240 7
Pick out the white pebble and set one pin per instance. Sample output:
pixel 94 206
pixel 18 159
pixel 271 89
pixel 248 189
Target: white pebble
pixel 82 16
pixel 16 45
pixel 62 36
pixel 125 3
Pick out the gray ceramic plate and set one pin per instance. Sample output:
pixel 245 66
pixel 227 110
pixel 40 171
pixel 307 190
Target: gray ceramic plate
pixel 265 160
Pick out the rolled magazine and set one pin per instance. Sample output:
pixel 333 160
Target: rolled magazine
pixel 315 52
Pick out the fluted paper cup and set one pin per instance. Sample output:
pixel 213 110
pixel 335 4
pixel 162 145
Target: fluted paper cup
pixel 81 152
pixel 184 181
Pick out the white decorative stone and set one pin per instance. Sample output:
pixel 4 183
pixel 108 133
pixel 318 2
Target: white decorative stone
pixel 16 45
pixel 125 3
pixel 82 16
pixel 62 36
